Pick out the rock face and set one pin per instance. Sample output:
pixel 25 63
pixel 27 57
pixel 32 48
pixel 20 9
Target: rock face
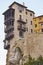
pixel 30 45
pixel 15 56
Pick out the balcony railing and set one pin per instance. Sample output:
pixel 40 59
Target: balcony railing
pixel 9 15
pixel 8 28
pixel 21 21
pixel 9 36
pixel 8 19
pixel 22 28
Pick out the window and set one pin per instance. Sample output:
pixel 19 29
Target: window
pixel 35 25
pixel 12 23
pixel 30 14
pixel 26 13
pixel 12 13
pixel 31 30
pixel 20 8
pixel 42 24
pixel 21 33
pixel 6 16
pixel 42 30
pixel 20 17
pixel 9 13
pixel 31 22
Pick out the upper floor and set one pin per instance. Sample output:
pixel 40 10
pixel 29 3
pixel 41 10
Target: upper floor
pixel 38 24
pixel 17 20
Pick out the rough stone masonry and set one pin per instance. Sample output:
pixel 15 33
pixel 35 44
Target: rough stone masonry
pixel 19 52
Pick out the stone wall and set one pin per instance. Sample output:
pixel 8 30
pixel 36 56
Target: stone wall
pixel 35 44
pixel 32 45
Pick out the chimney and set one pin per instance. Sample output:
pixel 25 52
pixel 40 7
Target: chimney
pixel 23 4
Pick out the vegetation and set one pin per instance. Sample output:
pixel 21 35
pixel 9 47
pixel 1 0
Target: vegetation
pixel 31 61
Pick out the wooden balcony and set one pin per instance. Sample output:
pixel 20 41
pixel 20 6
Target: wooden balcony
pixel 8 28
pixel 6 45
pixel 8 19
pixel 9 36
pixel 9 15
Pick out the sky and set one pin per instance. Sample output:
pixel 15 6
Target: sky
pixel 35 5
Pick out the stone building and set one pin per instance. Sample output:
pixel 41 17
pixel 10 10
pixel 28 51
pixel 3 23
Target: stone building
pixel 20 39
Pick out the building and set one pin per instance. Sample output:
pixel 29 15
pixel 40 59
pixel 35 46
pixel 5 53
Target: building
pixel 38 24
pixel 18 21
pixel 20 39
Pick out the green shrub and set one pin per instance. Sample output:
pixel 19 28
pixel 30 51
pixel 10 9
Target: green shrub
pixel 31 61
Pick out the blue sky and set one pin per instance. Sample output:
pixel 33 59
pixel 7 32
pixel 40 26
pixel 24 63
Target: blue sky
pixel 35 5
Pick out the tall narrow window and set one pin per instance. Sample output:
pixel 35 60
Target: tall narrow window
pixel 12 23
pixel 21 33
pixel 20 17
pixel 26 13
pixel 31 30
pixel 30 14
pixel 35 25
pixel 31 22
pixel 13 13
pixel 42 30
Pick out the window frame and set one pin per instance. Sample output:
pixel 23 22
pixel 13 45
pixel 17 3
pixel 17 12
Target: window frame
pixel 31 30
pixel 35 25
pixel 21 34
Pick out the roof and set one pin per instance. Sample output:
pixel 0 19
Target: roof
pixel 7 10
pixel 30 11
pixel 22 6
pixel 38 16
pixel 18 4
